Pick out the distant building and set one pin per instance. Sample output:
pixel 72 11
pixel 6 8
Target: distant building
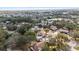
pixel 63 31
pixel 53 28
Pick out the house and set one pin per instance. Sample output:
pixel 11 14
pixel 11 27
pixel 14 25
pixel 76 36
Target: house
pixel 4 27
pixel 8 22
pixel 40 35
pixel 63 31
pixel 36 28
pixel 43 23
pixel 53 28
pixel 38 46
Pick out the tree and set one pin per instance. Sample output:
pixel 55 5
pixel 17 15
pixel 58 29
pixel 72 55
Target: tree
pixel 59 24
pixel 57 44
pixel 75 35
pixel 20 42
pixel 62 37
pixel 11 27
pixel 61 40
pixel 46 30
pixel 46 47
pixel 17 42
pixel 23 28
pixel 70 26
pixel 30 35
pixel 29 19
pixel 3 36
pixel 77 47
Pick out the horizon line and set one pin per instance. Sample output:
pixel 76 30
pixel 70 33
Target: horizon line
pixel 37 8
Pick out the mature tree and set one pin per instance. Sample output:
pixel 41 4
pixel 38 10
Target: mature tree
pixel 62 37
pixel 23 28
pixel 17 42
pixel 59 24
pixel 11 27
pixel 46 47
pixel 75 35
pixel 30 35
pixel 61 40
pixel 57 44
pixel 70 26
pixel 3 37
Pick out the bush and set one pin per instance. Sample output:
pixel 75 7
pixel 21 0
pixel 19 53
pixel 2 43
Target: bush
pixel 30 35
pixel 77 47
